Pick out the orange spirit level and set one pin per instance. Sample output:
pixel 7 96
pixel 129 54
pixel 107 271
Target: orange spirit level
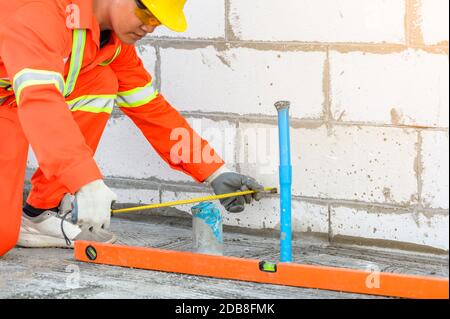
pixel 285 274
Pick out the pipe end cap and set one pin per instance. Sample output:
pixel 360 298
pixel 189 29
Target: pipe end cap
pixel 281 105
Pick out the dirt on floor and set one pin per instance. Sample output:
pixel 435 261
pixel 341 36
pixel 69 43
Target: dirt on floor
pixel 53 273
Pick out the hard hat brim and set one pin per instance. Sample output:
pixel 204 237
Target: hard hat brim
pixel 173 19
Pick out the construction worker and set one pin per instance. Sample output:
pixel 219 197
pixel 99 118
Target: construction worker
pixel 64 64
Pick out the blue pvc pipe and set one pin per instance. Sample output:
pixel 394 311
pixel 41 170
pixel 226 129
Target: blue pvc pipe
pixel 285 182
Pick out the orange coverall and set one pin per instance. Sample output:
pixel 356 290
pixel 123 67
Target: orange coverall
pixel 57 91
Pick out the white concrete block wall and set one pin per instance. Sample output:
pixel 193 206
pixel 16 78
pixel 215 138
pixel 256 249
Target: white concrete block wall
pixel 348 163
pixel 306 217
pixel 168 195
pixel 125 152
pixel 206 20
pixel 32 162
pixel 148 55
pixel 368 82
pixel 405 88
pixel 416 228
pixel 136 196
pixel 318 20
pixel 435 21
pixel 243 81
pixel 435 169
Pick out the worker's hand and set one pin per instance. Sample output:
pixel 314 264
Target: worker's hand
pixel 92 206
pixel 230 182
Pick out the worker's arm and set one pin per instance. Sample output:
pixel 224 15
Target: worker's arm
pixel 170 134
pixel 163 126
pixel 31 48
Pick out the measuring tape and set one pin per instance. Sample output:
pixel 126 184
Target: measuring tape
pixel 193 200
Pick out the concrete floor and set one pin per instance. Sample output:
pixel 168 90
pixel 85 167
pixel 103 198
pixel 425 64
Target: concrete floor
pixel 53 273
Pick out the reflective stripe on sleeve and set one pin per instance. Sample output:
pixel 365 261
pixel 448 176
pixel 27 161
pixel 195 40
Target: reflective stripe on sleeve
pixel 29 77
pixel 137 97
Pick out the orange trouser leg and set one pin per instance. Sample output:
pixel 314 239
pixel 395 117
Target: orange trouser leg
pixel 100 82
pixel 13 161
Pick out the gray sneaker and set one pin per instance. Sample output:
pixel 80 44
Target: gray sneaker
pixel 54 229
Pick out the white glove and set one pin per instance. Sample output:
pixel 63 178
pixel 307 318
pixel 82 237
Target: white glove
pixel 92 206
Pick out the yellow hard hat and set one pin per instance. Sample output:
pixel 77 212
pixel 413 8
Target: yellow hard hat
pixel 168 12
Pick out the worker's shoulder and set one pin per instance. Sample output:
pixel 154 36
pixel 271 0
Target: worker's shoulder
pixel 36 14
pixel 42 21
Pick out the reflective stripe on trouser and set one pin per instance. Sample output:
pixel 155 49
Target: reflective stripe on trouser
pixel 13 161
pixel 91 115
pixel 137 97
pixel 4 83
pixel 93 103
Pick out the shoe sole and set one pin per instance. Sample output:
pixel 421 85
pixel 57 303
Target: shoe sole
pixel 43 241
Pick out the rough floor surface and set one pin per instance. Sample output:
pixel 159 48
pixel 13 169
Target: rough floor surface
pixel 53 273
